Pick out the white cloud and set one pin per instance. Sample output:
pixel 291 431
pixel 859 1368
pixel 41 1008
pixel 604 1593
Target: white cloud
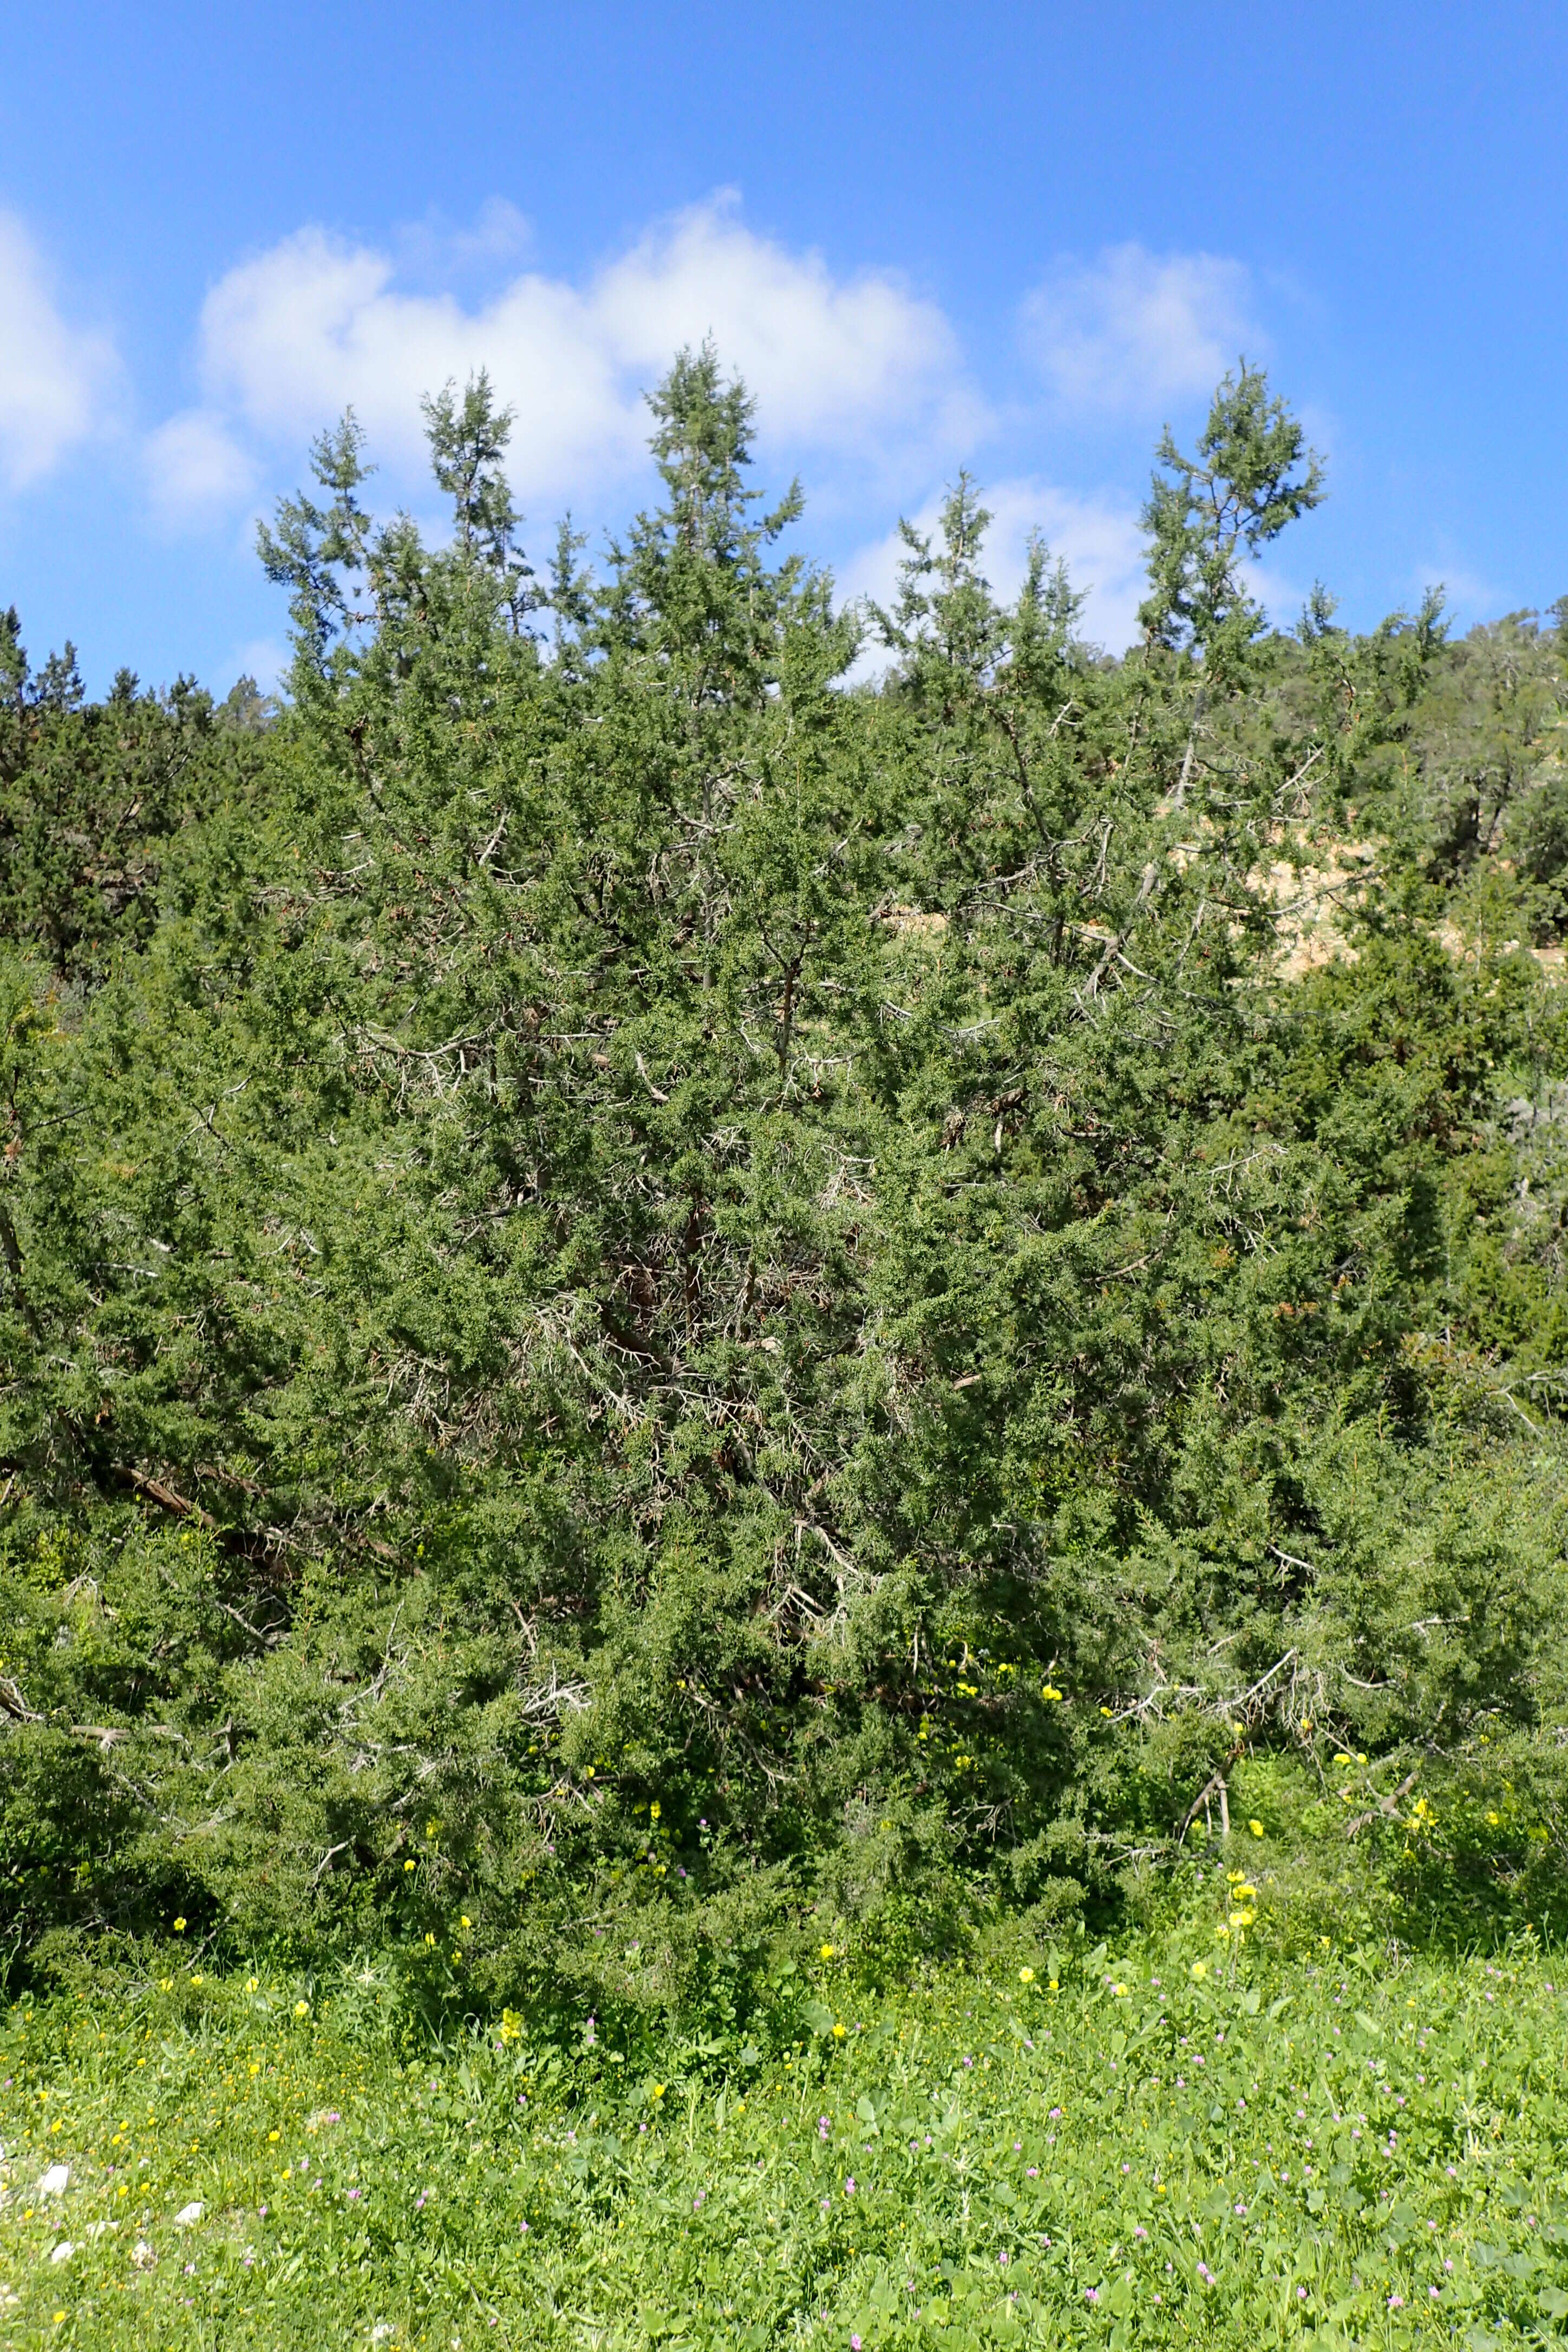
pixel 854 367
pixel 194 465
pixel 1135 329
pixel 1101 540
pixel 1468 596
pixel 265 659
pixel 1105 550
pixel 54 378
pixel 829 361
pixel 436 248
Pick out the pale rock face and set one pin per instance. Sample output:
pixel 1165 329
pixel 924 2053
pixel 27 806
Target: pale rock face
pixel 141 2254
pixel 55 2181
pixel 186 2215
pixel 63 2252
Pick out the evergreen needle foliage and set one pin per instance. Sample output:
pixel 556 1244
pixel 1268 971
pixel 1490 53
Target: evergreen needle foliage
pixel 641 1288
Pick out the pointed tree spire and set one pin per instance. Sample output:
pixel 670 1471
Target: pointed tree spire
pixel 691 583
pixel 467 440
pixel 1253 474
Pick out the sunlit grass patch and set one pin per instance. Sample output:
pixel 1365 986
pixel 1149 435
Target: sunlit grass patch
pixel 1341 2151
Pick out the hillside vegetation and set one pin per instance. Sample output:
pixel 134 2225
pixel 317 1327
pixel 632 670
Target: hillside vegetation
pixel 654 1304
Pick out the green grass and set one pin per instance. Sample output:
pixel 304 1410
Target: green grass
pixel 1280 2151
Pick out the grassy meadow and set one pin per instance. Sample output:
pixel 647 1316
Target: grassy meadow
pixel 1167 2142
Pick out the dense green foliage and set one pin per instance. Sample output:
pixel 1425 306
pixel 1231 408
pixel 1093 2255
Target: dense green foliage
pixel 1330 2154
pixel 642 1288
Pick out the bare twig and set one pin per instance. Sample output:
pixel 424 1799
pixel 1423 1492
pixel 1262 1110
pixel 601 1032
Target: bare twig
pixel 331 1850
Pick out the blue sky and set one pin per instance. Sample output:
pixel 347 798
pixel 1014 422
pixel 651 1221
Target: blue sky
pixel 1011 237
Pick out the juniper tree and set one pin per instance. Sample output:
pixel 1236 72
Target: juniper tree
pixel 1252 476
pixel 648 1230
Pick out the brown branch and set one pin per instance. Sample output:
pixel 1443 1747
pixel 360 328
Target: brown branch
pixel 1386 1806
pixel 1213 1787
pixel 1114 946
